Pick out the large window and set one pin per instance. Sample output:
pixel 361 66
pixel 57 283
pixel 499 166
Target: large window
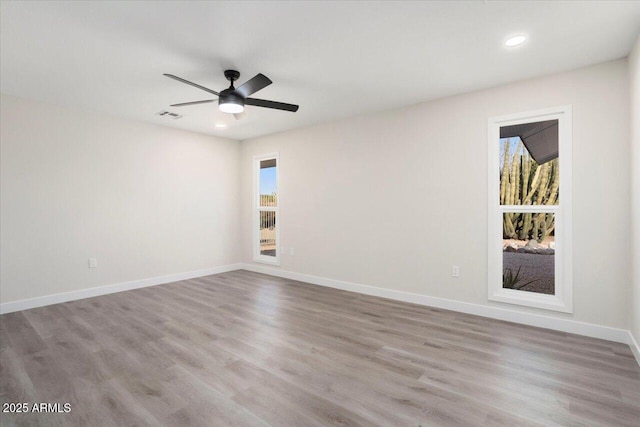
pixel 266 228
pixel 530 209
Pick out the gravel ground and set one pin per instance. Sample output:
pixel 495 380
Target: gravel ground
pixel 534 266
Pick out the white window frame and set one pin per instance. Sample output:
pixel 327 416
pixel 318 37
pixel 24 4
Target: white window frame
pixel 563 299
pixel 257 257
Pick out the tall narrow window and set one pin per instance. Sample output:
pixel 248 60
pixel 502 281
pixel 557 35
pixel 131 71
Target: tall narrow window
pixel 530 209
pixel 266 228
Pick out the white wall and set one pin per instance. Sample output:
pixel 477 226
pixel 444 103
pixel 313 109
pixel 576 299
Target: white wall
pixel 145 200
pixel 390 199
pixel 634 78
pixel 394 199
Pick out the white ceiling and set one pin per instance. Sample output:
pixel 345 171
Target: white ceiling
pixel 334 59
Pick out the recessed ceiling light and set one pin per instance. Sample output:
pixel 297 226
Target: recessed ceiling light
pixel 515 40
pixel 221 125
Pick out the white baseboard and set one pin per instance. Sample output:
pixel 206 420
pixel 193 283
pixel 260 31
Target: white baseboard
pixel 26 304
pixel 538 320
pixel 531 319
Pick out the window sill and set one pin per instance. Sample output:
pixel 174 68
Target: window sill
pixel 530 299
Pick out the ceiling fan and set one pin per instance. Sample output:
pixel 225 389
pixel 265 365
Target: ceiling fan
pixel 232 100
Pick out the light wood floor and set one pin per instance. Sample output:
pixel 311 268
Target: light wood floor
pixel 246 349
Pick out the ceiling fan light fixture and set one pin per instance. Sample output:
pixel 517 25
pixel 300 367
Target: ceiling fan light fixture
pixel 231 107
pixel 231 103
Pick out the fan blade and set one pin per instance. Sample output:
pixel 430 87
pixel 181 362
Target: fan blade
pixel 182 104
pixel 180 79
pixel 271 104
pixel 253 85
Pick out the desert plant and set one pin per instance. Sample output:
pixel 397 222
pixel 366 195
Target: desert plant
pixel 525 182
pixel 511 281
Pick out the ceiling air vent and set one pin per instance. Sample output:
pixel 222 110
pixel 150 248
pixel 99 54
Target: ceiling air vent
pixel 169 114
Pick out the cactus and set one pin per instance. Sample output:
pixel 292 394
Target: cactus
pixel 524 182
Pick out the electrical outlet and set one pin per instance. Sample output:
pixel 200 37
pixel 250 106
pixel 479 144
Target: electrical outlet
pixel 455 271
pixel 93 262
pixel 292 251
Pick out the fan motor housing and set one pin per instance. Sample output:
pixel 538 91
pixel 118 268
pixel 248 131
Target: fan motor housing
pixel 228 96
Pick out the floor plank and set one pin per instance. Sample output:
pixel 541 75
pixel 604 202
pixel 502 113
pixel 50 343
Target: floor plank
pixel 253 350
